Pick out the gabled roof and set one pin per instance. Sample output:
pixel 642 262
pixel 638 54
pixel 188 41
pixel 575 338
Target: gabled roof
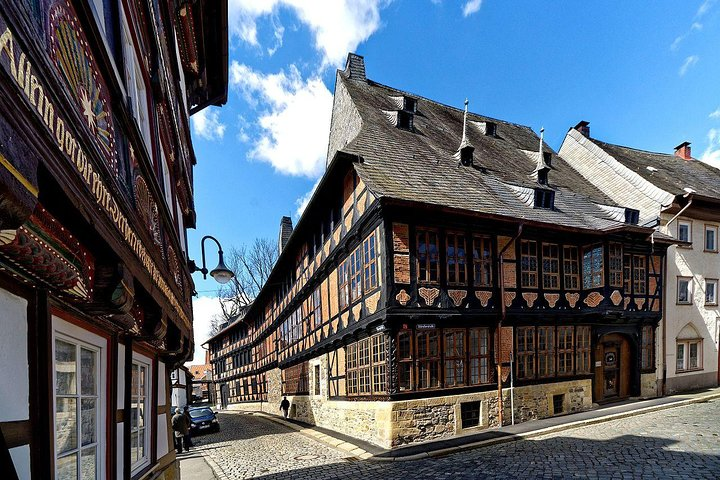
pixel 669 172
pixel 421 166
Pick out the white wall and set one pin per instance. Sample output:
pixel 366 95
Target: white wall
pixel 21 460
pixel 162 436
pixel 179 394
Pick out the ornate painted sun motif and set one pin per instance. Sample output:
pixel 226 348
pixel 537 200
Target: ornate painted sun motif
pixel 70 52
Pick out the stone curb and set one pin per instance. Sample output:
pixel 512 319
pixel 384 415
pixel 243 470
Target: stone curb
pixel 545 431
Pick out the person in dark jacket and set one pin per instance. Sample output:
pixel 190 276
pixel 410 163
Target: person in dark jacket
pixel 180 427
pixel 285 406
pixel 187 438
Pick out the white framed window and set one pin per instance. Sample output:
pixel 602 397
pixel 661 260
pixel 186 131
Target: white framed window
pixel 711 291
pixel 711 233
pixel 684 231
pixel 135 84
pixel 140 413
pixel 684 290
pixel 688 349
pixel 79 386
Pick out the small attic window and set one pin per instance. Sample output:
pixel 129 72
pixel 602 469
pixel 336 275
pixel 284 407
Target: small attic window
pixel 544 198
pixel 542 176
pixel 409 104
pixel 405 120
pixel 632 216
pixel 547 157
pixel 466 155
pixel 490 129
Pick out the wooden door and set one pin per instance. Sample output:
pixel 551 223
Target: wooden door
pixel 612 368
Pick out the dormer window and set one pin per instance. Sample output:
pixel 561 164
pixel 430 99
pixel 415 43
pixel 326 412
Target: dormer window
pixel 547 158
pixel 405 120
pixel 409 104
pixel 542 176
pixel 632 216
pixel 466 155
pixel 544 198
pixel 490 129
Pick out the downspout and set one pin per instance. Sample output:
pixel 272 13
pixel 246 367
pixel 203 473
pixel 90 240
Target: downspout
pixel 503 313
pixel 664 303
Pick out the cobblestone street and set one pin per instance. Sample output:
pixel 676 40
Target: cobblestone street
pixel 681 442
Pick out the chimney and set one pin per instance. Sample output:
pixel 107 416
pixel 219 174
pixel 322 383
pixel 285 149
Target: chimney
pixel 286 228
pixel 584 128
pixel 683 151
pixel 355 67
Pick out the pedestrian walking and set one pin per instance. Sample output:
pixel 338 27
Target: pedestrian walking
pixel 188 438
pixel 180 428
pixel 285 406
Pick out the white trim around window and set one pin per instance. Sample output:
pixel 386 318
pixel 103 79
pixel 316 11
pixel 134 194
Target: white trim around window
pixel 688 356
pixel 711 238
pixel 79 401
pixel 684 231
pixel 140 412
pixel 711 291
pixel 684 290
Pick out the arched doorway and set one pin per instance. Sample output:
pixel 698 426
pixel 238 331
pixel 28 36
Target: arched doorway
pixel 613 365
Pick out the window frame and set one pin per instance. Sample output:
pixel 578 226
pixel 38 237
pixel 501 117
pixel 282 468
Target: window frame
pixel 451 362
pixel 639 275
pixel 583 351
pixel 647 348
pixel 527 273
pixel 568 263
pixel 714 282
pixel 73 334
pixel 427 268
pixel 592 273
pixel 687 344
pixel 481 263
pixel 344 284
pixel 428 361
pixel 459 272
pixel 525 357
pixel 565 349
pixel 615 264
pixel 356 270
pixel 550 261
pixel 714 230
pixel 365 366
pixel 688 290
pixel 406 363
pixel 142 360
pixel 483 340
pixel 370 264
pixel 688 224
pixel 545 364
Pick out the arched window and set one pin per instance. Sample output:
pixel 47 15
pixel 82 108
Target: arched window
pixel 688 350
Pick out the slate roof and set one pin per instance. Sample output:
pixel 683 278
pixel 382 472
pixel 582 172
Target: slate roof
pixel 673 174
pixel 420 166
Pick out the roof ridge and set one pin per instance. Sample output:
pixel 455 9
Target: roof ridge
pixel 632 148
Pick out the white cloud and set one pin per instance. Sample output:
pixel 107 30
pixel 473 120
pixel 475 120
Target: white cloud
pixel 711 155
pixel 696 26
pixel 204 309
pixel 471 6
pixel 294 122
pixel 302 202
pixel 704 8
pixel 206 123
pixel 687 64
pixel 338 26
pixel 715 114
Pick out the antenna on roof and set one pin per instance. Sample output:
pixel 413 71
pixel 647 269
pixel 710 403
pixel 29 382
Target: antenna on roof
pixel 465 151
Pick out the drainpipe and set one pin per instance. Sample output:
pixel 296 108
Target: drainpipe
pixel 664 301
pixel 503 314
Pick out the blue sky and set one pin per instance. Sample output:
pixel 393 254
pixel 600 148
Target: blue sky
pixel 644 74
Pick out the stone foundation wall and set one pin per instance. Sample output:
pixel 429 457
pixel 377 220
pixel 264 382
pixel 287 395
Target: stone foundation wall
pixel 648 385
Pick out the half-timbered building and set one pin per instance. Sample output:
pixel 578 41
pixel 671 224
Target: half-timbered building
pixel 95 197
pixel 444 257
pixel 681 196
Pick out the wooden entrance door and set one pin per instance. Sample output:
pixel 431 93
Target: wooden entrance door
pixel 224 395
pixel 612 368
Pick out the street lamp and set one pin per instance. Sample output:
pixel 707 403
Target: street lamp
pixel 222 274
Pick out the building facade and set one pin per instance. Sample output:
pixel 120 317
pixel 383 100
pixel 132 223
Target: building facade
pixel 443 251
pixel 95 197
pixel 680 195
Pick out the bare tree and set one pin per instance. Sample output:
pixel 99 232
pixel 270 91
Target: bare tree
pixel 252 266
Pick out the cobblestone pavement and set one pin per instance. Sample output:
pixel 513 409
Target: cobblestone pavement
pixel 681 443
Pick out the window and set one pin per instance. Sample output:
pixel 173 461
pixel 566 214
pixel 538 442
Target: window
pixel 648 348
pixel 565 344
pixel 366 366
pixel 615 264
pixel 344 281
pixel 479 349
pixel 582 335
pixel 405 120
pixel 409 104
pixel 427 256
pixel 544 198
pixel 528 264
pixel 593 267
pixel 139 413
pixel 379 364
pixel 627 273
pixel 405 359
pixel 684 232
pixel 558 401
pixel 428 358
pixel 689 355
pixel 79 384
pixel 482 262
pixel 317 308
pixel 632 216
pixel 546 351
pixel 525 352
pixel 490 129
pixel 470 414
pixel 454 357
pixel 370 276
pixel 296 379
pixel 355 275
pixel 571 268
pixel 456 263
pixel 551 266
pixel 711 291
pixel 684 290
pixel 711 238
pixel 639 275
